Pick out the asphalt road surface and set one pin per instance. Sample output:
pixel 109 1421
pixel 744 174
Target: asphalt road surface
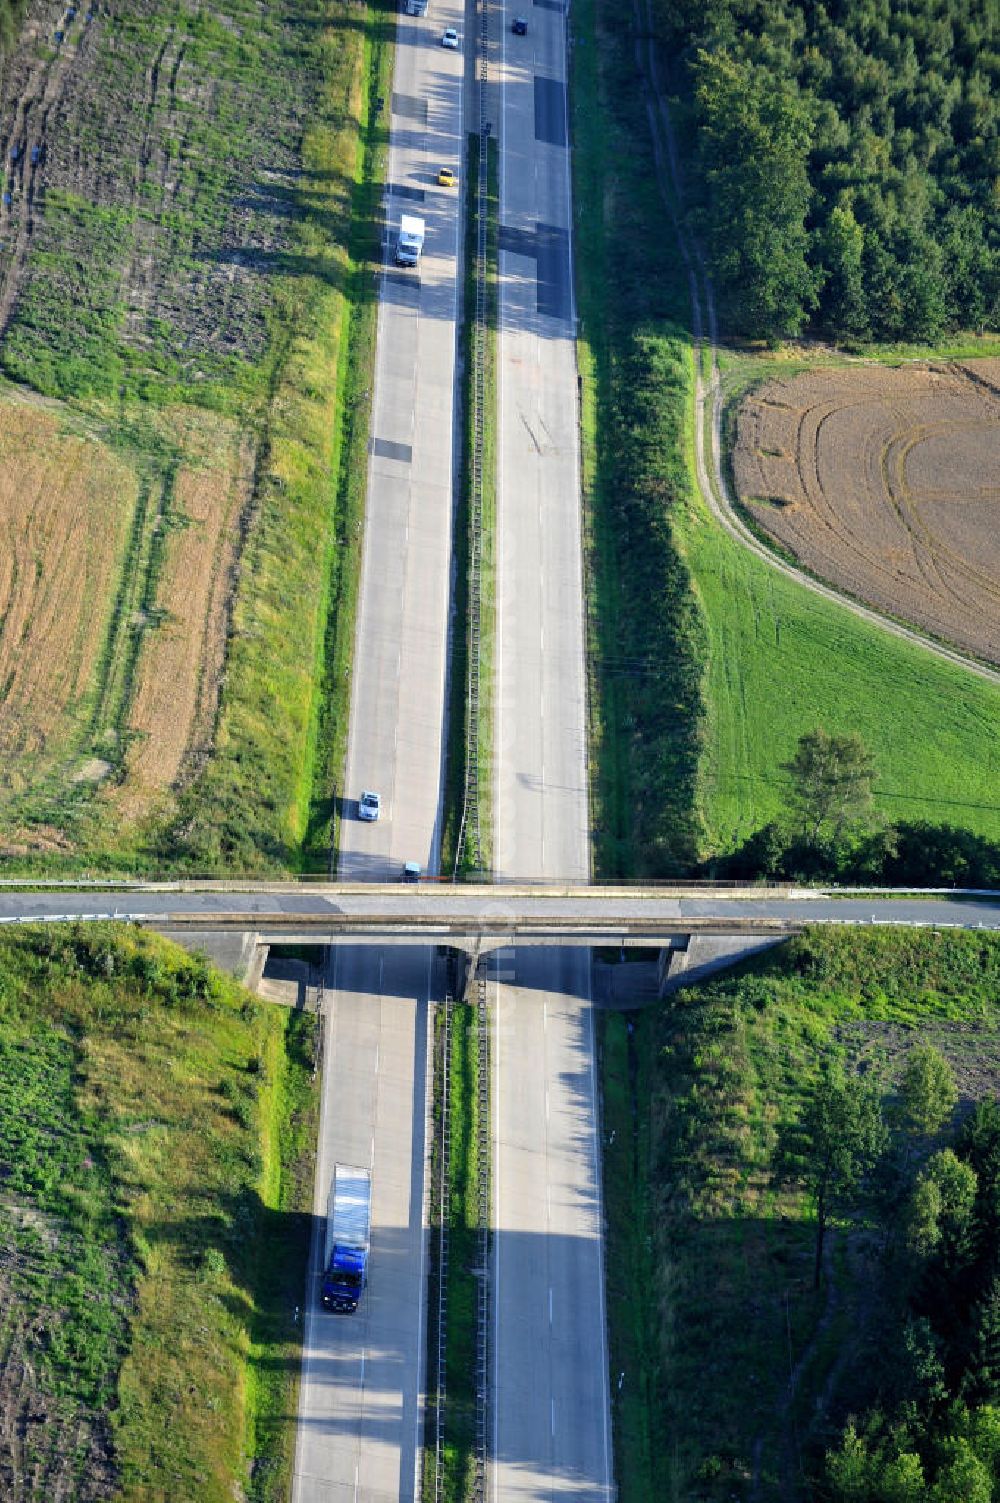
pixel 404 910
pixel 551 1436
pixel 540 730
pixel 551 1428
pixel 397 711
pixel 360 1409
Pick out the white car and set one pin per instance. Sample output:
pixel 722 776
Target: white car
pixel 369 805
pixel 450 39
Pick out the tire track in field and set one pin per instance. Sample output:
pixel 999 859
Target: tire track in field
pixel 139 277
pixel 24 155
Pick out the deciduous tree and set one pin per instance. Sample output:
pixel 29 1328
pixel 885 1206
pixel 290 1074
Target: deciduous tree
pixel 942 1203
pixel 755 140
pixel 927 1091
pixel 831 788
pixel 844 1134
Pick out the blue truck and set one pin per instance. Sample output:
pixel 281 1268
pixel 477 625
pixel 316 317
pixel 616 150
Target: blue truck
pixel 348 1230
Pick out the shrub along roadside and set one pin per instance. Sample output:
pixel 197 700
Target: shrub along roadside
pixel 625 1057
pixel 646 639
pixel 159 1123
pixel 476 855
pixel 907 854
pixel 460 1211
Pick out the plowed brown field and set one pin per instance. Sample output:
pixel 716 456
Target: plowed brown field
pixel 886 483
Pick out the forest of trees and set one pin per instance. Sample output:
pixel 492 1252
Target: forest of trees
pixel 930 1430
pixel 844 161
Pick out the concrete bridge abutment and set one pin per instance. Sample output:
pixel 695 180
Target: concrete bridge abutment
pixel 695 956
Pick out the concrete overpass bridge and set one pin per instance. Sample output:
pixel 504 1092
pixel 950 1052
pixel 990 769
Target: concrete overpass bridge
pixel 693 928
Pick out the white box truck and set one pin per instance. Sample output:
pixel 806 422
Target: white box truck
pixel 411 240
pixel 416 7
pixel 348 1229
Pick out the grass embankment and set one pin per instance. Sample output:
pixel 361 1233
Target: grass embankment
pixel 706 665
pixel 782 661
pixel 476 854
pixel 738 1374
pixel 270 788
pixel 156 1145
pixel 357 380
pixel 229 282
pixel 461 1213
pixel 646 639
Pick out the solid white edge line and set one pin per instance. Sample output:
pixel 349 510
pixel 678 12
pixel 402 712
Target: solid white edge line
pixel 350 760
pixel 421 1405
pixel 498 600
pixel 599 1184
pixel 497 1239
pixel 310 1311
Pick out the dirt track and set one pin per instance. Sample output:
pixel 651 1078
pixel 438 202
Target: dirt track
pixel 885 482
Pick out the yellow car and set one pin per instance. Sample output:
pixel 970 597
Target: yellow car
pixel 447 178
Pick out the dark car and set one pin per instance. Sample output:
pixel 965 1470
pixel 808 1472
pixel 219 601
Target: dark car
pixel 411 871
pixel 520 26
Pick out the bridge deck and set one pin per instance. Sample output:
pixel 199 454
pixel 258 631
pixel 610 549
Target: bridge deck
pixel 467 916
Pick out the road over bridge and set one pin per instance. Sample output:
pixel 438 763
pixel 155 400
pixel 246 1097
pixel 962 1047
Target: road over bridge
pixel 477 917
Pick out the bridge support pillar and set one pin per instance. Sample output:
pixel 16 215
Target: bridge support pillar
pixel 467 962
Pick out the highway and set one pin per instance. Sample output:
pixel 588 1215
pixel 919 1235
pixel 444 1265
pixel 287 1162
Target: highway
pixel 551 1416
pixel 360 1407
pixel 396 743
pixel 361 1398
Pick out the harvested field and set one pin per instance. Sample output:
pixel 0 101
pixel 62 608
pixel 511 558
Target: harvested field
pixel 179 668
pixel 118 554
pixel 152 153
pixel 66 508
pixel 886 483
